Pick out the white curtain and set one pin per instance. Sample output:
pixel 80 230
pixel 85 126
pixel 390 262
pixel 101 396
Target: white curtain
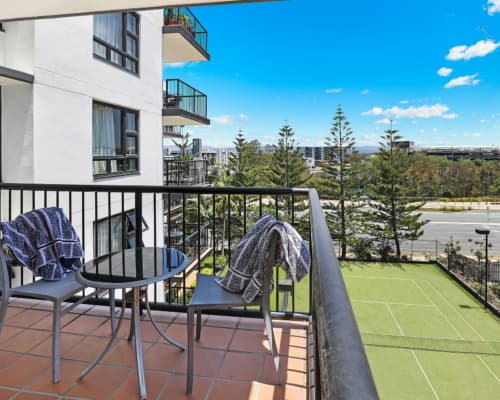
pixel 109 27
pixel 106 131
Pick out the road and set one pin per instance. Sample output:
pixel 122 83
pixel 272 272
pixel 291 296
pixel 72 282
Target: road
pixel 460 225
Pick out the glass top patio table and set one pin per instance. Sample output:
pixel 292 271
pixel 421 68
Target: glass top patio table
pixel 133 269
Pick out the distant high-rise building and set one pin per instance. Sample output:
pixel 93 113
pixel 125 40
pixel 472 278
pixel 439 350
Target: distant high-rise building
pixel 196 149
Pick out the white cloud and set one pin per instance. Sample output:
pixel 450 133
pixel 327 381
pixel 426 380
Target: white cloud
pixel 176 65
pixel 386 121
pixel 493 6
pixel 467 80
pixel 223 120
pixel 443 71
pixel 436 110
pixel 243 117
pixel 472 134
pixel 404 101
pixel 333 91
pixel 480 49
pixel 483 121
pixel 366 91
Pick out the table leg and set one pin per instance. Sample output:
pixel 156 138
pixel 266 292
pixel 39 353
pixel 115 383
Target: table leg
pixel 110 343
pixel 169 340
pixel 138 344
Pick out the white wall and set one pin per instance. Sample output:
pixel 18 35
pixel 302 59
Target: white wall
pixel 68 78
pixel 17 133
pixel 16 46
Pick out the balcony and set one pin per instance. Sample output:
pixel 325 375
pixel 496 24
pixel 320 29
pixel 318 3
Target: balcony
pixel 170 131
pixel 184 37
pixel 186 172
pixel 183 104
pixel 317 335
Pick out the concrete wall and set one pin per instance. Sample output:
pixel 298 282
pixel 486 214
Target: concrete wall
pixel 17 133
pixel 16 46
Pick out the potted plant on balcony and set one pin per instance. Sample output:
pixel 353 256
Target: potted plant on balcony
pixel 186 21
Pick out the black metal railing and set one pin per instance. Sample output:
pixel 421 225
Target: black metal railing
pixel 172 131
pixel 185 172
pixel 207 223
pixel 179 94
pixel 182 16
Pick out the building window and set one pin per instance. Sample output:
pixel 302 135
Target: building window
pixel 116 39
pixel 117 231
pixel 114 140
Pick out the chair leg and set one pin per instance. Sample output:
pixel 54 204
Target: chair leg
pixel 198 325
pixel 4 302
pixel 56 341
pixel 272 341
pixel 190 349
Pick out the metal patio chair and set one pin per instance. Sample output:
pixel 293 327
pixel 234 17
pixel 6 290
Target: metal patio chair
pixel 54 291
pixel 209 295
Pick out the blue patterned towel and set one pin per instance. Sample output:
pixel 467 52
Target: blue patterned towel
pixel 246 275
pixel 44 241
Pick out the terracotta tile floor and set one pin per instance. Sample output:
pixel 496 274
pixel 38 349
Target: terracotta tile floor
pixel 232 359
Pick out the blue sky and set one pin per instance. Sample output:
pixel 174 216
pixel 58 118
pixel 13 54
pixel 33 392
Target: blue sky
pixel 433 67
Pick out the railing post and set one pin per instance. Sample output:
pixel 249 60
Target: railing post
pixel 138 219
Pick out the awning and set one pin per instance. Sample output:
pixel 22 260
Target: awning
pixel 29 9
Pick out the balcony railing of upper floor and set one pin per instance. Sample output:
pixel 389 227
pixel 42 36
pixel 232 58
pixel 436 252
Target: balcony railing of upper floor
pixel 185 172
pixel 183 17
pixel 183 104
pixel 170 131
pixel 207 223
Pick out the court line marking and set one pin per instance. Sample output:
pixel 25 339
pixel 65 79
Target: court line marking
pixel 440 312
pixel 456 311
pixel 392 303
pixel 456 330
pixel 488 368
pixel 425 375
pixel 413 353
pixel 395 320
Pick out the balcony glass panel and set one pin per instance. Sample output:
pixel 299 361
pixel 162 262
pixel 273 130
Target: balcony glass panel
pixel 181 95
pixel 185 18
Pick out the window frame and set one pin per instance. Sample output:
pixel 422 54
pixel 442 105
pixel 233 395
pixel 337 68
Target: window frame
pixel 128 231
pixel 125 134
pixel 122 51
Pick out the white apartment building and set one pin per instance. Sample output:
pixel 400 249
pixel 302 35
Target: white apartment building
pixel 82 101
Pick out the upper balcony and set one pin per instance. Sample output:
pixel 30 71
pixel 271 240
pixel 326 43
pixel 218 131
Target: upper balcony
pixel 184 37
pixel 183 104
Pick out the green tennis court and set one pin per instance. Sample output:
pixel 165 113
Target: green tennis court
pixel 425 337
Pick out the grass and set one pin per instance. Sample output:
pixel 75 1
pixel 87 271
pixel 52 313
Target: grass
pixel 419 300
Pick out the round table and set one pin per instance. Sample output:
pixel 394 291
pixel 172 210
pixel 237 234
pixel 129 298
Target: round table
pixel 133 269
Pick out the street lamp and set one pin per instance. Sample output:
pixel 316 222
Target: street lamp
pixel 485 232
